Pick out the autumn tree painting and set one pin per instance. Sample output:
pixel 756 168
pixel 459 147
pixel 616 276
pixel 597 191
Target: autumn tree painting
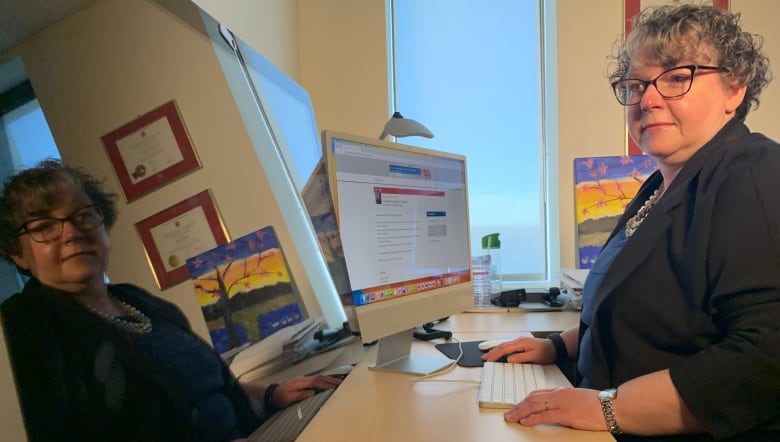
pixel 244 289
pixel 603 188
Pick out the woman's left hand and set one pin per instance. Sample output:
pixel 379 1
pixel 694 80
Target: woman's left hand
pixel 302 387
pixel 578 408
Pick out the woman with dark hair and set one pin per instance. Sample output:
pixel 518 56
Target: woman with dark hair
pixel 107 362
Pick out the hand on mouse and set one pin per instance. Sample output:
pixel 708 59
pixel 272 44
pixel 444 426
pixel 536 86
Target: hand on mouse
pixel 523 350
pixel 292 391
pixel 302 387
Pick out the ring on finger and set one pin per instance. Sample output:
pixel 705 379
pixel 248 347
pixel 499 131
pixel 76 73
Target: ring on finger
pixel 546 405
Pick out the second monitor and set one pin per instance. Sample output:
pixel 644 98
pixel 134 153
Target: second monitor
pixel 402 214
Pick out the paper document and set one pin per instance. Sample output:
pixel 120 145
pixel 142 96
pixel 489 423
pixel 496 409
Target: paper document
pixel 573 278
pixel 269 348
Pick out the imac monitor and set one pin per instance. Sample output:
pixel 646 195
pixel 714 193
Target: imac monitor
pixel 402 214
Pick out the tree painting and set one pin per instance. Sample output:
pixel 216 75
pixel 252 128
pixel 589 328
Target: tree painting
pixel 244 289
pixel 603 188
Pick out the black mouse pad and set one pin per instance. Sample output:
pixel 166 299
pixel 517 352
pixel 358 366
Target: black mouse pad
pixel 472 355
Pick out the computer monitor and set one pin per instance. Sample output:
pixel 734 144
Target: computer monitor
pixel 402 214
pixel 279 118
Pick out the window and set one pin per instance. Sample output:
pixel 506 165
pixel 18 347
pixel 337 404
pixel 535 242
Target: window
pixel 28 135
pixel 473 73
pixel 25 139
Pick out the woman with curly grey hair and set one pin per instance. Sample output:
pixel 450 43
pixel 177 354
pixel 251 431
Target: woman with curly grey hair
pixel 679 337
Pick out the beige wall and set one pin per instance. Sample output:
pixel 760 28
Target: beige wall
pixel 116 59
pixel 343 66
pixel 590 122
pixel 269 26
pixel 759 17
pixel 145 56
pixel 340 57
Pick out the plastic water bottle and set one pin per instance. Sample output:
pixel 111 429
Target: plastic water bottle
pixel 486 271
pixel 480 276
pixel 491 246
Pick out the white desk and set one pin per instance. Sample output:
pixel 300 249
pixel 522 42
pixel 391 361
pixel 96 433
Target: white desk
pixel 380 406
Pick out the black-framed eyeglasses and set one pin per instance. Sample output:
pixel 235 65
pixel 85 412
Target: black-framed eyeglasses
pixel 50 228
pixel 672 83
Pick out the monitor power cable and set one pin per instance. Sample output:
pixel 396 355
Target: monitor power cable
pixel 446 369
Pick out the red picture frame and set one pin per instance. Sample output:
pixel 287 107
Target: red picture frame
pixel 150 151
pixel 186 229
pixel 632 8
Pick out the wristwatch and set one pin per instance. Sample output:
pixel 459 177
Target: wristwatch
pixel 606 397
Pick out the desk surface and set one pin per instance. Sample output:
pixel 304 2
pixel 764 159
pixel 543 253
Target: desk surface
pixel 514 320
pixel 380 406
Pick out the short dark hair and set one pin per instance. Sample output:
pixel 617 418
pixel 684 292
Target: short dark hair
pixel 667 35
pixel 38 189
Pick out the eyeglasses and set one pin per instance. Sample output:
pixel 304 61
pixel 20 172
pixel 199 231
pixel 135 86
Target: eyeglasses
pixel 672 83
pixel 50 228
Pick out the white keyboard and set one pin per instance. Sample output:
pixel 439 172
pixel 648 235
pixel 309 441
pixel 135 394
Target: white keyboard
pixel 503 384
pixel 286 425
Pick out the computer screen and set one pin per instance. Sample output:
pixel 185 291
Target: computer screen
pixel 279 119
pixel 288 105
pixel 402 214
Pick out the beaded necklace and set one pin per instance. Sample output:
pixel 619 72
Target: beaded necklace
pixel 140 323
pixel 633 223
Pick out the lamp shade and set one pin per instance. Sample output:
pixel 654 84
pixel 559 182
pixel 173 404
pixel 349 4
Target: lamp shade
pixel 398 126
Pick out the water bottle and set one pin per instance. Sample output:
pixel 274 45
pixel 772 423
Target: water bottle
pixel 486 271
pixel 480 276
pixel 491 246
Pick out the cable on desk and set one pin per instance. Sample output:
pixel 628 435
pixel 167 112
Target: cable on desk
pixel 446 369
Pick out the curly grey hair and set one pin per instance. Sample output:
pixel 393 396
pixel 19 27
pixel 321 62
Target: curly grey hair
pixel 669 35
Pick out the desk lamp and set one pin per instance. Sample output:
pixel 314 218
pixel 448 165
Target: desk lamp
pixel 398 126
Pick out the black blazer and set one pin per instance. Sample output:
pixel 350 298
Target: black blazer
pixel 697 288
pixel 80 379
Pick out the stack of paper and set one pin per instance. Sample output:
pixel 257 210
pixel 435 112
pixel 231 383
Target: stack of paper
pixel 572 282
pixel 277 351
pixel 573 279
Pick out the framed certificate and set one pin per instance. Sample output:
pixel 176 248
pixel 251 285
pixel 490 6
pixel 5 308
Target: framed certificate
pixel 179 232
pixel 150 151
pixel 632 8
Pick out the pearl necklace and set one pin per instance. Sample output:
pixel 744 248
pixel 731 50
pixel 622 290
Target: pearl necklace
pixel 140 324
pixel 633 223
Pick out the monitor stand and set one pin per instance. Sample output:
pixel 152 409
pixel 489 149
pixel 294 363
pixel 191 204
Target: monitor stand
pixel 393 354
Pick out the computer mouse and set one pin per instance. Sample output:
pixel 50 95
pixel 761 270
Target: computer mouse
pixel 490 343
pixel 553 302
pixel 338 372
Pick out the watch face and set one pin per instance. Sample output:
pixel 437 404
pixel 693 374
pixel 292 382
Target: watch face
pixel 608 394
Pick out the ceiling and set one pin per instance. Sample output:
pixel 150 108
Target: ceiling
pixel 20 19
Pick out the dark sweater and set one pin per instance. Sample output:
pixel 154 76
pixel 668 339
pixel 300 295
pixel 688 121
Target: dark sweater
pixel 81 379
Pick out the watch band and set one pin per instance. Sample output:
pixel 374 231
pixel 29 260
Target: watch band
pixel 268 400
pixel 606 397
pixel 561 353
